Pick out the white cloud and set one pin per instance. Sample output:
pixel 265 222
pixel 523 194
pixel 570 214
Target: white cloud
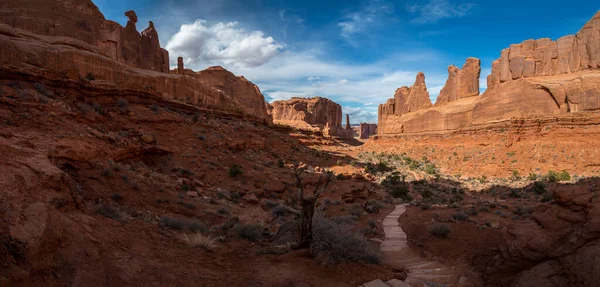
pixel 436 10
pixel 359 21
pixel 222 44
pixel 360 114
pixel 311 78
pixel 283 95
pixel 343 82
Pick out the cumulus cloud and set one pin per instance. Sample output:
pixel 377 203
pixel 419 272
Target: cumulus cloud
pixel 359 21
pixel 343 82
pixel 283 95
pixel 436 10
pixel 222 44
pixel 360 114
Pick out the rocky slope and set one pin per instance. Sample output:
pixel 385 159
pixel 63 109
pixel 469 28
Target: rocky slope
pixel 319 114
pixel 535 78
pixel 80 49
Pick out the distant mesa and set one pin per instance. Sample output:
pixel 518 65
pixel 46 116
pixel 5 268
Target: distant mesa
pixel 535 78
pixel 316 114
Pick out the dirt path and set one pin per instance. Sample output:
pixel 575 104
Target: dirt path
pixel 421 271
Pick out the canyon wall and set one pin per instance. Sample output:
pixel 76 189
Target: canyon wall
pixel 71 40
pixel 537 78
pixel 317 114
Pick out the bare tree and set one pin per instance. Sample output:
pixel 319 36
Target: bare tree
pixel 307 205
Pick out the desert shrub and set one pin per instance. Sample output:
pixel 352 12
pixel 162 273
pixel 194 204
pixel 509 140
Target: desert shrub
pixel 345 219
pixel 90 76
pixel 460 216
pixel 173 223
pixel 372 223
pixel 484 209
pixel 500 213
pixel 381 167
pixel 399 191
pixel 42 89
pixel 340 176
pixel 374 205
pixel 414 165
pixel 222 211
pixel 190 205
pixel 523 210
pixel 280 163
pixel 547 197
pixel 472 211
pixel 564 176
pixel 335 243
pixel 430 168
pixel 392 179
pixel 532 176
pixel 515 175
pixel 123 105
pixel 106 172
pixel 235 170
pixel 199 240
pixel 278 211
pixel 197 226
pixel 553 176
pixel 514 193
pixel 250 232
pixel 110 211
pixel 538 187
pixel 116 196
pixel 425 206
pixel 439 229
pixel 271 204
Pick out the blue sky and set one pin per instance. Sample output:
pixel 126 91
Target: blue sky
pixel 353 52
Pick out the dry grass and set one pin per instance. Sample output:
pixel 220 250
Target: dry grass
pixel 199 240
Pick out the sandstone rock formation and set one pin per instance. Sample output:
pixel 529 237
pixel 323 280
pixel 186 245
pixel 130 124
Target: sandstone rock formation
pixel 72 40
pixel 81 19
pixel 559 246
pixel 241 90
pixel 407 100
pixel 367 130
pixel 537 78
pixel 318 114
pixel 461 83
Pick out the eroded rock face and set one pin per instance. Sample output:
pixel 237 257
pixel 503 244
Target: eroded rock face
pixel 82 20
pixel 559 246
pixel 537 78
pixel 544 57
pixel 72 40
pixel 461 83
pixel 319 114
pixel 241 90
pixel 367 130
pixel 406 100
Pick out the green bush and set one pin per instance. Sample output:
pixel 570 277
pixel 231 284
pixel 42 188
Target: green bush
pixel 538 187
pixel 460 216
pixel 439 229
pixel 250 232
pixel 235 170
pixel 430 168
pixel 335 243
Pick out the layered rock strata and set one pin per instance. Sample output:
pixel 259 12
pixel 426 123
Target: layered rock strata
pixel 537 78
pixel 71 40
pixel 317 114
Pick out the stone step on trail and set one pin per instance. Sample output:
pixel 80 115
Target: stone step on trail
pixel 420 270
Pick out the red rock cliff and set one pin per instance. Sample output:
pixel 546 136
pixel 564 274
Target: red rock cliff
pixel 537 78
pixel 71 39
pixel 316 113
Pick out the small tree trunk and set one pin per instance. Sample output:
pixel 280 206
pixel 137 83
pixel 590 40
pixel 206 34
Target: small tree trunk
pixel 305 226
